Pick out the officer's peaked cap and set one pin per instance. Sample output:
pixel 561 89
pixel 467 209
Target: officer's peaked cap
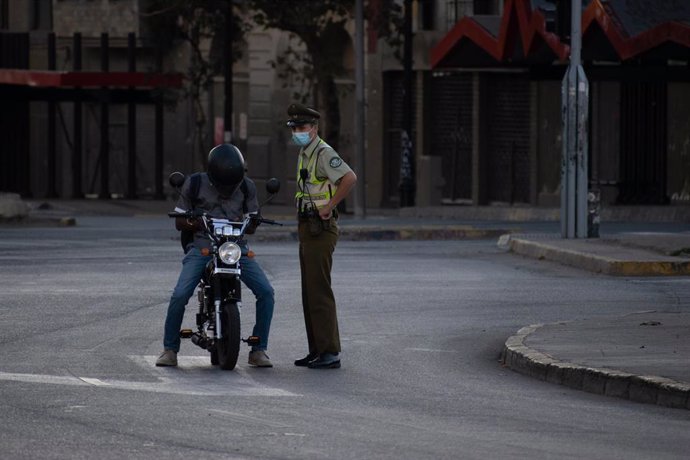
pixel 300 114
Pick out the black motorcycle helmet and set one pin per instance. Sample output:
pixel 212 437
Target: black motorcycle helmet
pixel 225 168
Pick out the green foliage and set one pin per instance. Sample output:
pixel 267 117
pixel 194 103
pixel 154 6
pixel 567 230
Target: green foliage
pixel 311 62
pixel 202 25
pixel 319 27
pixel 317 40
pixel 386 18
pixel 197 22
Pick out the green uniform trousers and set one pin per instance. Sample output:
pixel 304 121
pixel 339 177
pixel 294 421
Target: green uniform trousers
pixel 318 302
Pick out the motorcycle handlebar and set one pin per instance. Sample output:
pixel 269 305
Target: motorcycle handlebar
pixel 190 214
pixel 269 222
pixel 186 214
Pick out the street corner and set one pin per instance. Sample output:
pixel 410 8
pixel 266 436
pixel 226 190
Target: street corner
pixel 561 353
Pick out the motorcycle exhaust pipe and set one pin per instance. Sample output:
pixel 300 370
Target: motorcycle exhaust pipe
pixel 200 341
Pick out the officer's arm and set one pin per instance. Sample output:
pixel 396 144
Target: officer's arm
pixel 347 182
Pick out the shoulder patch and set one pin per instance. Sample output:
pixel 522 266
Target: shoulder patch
pixel 335 162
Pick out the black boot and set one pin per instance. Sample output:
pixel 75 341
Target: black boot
pixel 326 361
pixel 304 362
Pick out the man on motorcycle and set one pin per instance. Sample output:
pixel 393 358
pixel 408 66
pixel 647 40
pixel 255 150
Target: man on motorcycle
pixel 223 192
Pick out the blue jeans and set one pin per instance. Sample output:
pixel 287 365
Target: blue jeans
pixel 252 276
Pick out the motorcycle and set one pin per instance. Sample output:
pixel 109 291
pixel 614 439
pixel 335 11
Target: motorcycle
pixel 219 292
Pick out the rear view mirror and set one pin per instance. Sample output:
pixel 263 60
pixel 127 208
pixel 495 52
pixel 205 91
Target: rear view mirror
pixel 176 179
pixel 272 185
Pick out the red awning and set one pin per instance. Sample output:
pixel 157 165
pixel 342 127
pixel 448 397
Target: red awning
pixel 521 35
pixel 627 46
pixel 57 79
pixel 608 32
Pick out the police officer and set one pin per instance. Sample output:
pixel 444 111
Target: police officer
pixel 221 195
pixel 323 181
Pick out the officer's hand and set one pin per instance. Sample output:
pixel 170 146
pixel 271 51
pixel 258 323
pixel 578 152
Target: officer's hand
pixel 326 212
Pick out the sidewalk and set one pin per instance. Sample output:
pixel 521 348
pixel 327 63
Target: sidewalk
pixel 627 254
pixel 643 356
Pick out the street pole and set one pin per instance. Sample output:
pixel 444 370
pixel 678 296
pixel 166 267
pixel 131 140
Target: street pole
pixel 407 166
pixel 227 112
pixel 360 133
pixel 575 103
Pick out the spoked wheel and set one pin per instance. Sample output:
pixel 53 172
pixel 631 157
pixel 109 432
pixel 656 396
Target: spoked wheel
pixel 228 348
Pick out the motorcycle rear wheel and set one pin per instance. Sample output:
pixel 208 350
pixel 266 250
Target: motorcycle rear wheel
pixel 228 348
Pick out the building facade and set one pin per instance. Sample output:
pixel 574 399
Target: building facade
pixel 507 71
pixel 486 106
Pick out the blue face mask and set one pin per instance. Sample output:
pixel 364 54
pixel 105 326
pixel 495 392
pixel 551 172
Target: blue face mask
pixel 301 138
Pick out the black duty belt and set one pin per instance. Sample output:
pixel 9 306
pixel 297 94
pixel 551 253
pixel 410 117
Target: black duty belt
pixel 306 215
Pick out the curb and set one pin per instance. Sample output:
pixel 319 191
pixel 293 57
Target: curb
pixel 349 233
pixel 38 222
pixel 647 389
pixel 417 233
pixel 656 266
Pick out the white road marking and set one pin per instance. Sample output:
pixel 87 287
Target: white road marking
pixel 95 382
pixel 431 350
pixel 195 376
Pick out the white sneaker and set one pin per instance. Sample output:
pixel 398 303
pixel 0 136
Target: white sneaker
pixel 167 358
pixel 259 358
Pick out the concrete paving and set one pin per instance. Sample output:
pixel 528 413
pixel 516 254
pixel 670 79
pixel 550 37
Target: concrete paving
pixel 644 356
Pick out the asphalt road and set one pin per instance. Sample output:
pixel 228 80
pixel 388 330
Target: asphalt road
pixel 422 324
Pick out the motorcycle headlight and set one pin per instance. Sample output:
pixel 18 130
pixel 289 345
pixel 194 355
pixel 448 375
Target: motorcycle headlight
pixel 229 253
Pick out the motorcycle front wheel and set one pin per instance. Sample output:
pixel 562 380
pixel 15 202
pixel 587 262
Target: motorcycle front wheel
pixel 228 348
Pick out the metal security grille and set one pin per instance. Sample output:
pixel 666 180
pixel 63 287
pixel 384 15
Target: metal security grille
pixel 14 118
pixel 643 159
pixel 14 50
pixel 393 92
pixel 508 138
pixel 451 132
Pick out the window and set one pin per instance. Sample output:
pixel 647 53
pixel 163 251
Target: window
pixel 41 15
pixel 426 14
pixel 4 14
pixel 456 10
pixel 484 7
